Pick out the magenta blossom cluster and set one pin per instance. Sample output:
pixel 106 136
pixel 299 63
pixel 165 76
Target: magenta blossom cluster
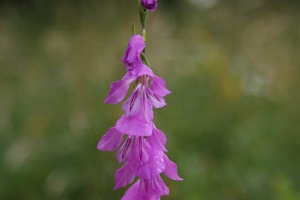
pixel 143 150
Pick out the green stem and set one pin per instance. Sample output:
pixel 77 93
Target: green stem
pixel 143 15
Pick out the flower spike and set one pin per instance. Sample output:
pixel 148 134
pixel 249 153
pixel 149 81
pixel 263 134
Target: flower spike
pixel 143 152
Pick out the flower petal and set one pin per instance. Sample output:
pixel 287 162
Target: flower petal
pixel 134 126
pixel 111 140
pixel 141 153
pixel 138 69
pixel 161 187
pixel 158 86
pixel 171 170
pixel 134 49
pixel 124 152
pixel 155 100
pixel 118 90
pixel 132 105
pixel 153 167
pixel 153 188
pixel 144 70
pixel 133 192
pixel 123 176
pixel 157 140
pixel 146 112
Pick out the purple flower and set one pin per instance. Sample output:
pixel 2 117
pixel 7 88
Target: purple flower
pixel 146 162
pixel 135 68
pixel 138 113
pixel 144 157
pixel 143 151
pixel 144 154
pixel 119 89
pixel 149 4
pixel 138 105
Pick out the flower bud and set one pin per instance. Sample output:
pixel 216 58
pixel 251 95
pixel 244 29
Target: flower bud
pixel 149 4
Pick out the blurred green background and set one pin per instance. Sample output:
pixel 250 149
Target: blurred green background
pixel 232 120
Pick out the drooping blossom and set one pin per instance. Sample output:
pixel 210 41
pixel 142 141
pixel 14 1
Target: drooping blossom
pixel 143 151
pixel 149 4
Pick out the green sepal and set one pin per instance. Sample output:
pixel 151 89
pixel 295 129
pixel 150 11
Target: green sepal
pixel 133 31
pixel 145 60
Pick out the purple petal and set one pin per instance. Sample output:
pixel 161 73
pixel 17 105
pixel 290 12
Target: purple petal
pixel 144 70
pixel 154 166
pixel 146 112
pixel 147 189
pixel 133 192
pixel 134 68
pixel 135 47
pixel 132 105
pixel 171 170
pixel 153 188
pixel 141 154
pixel 110 141
pixel 156 101
pixel 138 105
pixel 134 126
pixel 160 185
pixel 123 176
pixel 157 140
pixel 118 90
pixel 125 151
pixel 138 69
pixel 159 86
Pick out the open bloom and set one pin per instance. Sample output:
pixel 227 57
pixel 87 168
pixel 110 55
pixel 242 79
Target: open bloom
pixel 149 4
pixel 138 108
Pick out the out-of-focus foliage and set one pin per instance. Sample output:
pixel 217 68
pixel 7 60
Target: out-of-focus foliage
pixel 232 120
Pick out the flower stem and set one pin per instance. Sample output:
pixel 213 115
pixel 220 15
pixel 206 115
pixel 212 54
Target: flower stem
pixel 143 15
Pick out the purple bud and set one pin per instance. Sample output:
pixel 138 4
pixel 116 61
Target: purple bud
pixel 149 4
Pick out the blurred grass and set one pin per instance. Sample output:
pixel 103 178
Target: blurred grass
pixel 232 120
